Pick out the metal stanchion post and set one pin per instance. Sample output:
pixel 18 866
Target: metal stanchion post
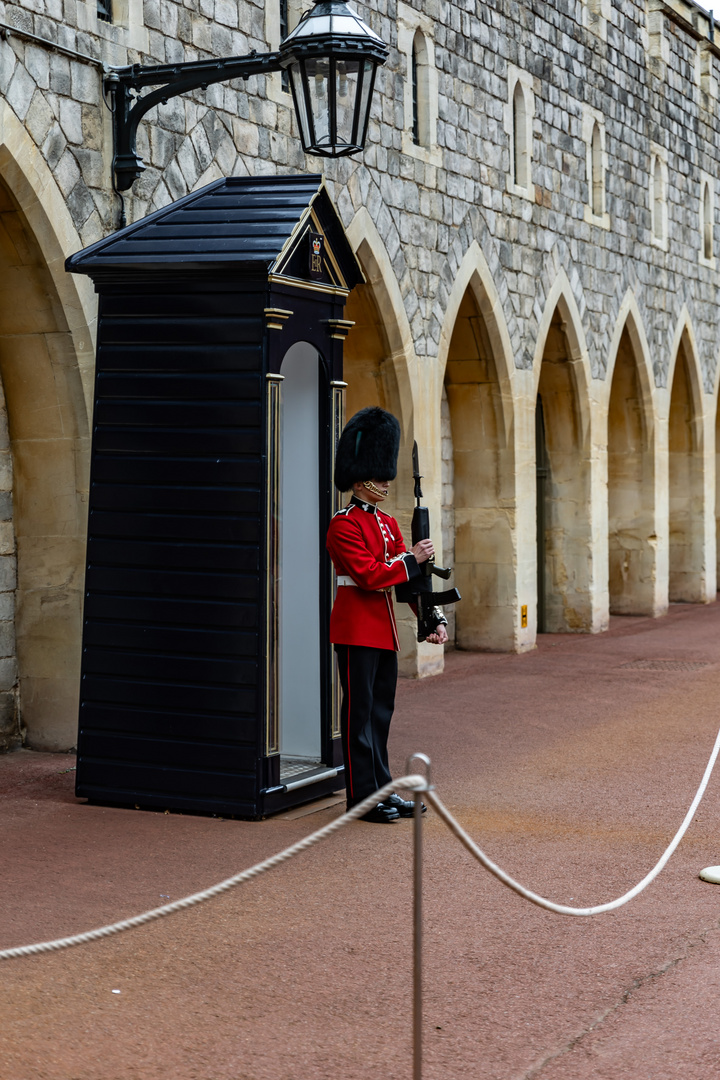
pixel 417 917
pixel 417 938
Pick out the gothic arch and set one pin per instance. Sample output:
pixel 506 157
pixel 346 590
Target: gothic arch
pixel 629 320
pixel 474 274
pixel 380 296
pixel 632 468
pixel 361 200
pixel 46 367
pixel 560 278
pixel 27 175
pixel 716 432
pixel 684 337
pixel 568 560
pixel 380 368
pixel 478 431
pixel 561 302
pixel 689 520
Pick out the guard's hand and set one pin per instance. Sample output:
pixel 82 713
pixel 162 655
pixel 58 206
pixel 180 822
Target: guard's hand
pixel 439 637
pixel 423 550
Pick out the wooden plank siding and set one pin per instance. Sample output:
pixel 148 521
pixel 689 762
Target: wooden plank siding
pixel 170 666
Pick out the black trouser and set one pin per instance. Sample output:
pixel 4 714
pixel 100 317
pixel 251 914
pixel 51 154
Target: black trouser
pixel 368 678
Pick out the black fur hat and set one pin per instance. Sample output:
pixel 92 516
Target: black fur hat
pixel 368 448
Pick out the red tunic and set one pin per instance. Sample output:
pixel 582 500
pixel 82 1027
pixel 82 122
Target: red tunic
pixel 369 556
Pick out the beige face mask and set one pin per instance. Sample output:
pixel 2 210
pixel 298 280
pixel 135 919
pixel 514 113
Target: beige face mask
pixel 375 490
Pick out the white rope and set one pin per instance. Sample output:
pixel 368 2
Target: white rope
pixel 411 783
pixel 561 909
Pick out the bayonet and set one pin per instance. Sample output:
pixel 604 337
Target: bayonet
pixel 416 474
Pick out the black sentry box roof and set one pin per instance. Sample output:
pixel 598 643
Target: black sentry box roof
pixel 243 221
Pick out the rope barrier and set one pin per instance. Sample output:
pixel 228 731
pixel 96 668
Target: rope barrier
pixel 411 783
pixel 562 909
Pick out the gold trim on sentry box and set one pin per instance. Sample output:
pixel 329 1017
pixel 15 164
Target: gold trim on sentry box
pixel 276 317
pixel 337 424
pixel 298 283
pixel 272 566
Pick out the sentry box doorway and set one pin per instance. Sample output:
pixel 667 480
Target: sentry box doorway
pixel 208 682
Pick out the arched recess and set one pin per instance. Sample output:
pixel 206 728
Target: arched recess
pixel 566 555
pixel 686 503
pixel 377 357
pixel 377 369
pixel 478 503
pixel 717 490
pixel 46 361
pixel 420 78
pixel 632 534
pixel 521 137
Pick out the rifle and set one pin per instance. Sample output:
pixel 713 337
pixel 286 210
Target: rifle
pixel 419 591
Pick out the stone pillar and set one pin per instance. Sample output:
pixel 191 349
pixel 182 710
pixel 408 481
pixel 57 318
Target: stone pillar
pixel 10 723
pixel 686 490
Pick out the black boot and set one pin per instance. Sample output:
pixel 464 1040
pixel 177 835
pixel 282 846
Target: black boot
pixel 404 807
pixel 381 814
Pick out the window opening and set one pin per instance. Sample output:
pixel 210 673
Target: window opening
pixel 284 31
pixel 707 223
pixel 420 85
pixel 597 179
pixel 520 137
pixel 104 10
pixel 415 110
pixel 657 196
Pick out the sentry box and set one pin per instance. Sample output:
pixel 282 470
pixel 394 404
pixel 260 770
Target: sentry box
pixel 208 682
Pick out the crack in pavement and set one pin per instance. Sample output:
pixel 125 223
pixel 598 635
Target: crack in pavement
pixel 537 1067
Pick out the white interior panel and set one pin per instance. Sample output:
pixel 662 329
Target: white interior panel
pixel 300 716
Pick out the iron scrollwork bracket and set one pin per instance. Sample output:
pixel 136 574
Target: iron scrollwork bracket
pixel 170 80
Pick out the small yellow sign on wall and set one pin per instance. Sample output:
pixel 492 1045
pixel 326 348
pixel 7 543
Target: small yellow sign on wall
pixel 523 615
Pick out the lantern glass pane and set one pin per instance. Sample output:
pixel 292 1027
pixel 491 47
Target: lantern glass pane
pixel 346 27
pixel 300 104
pixel 346 94
pixel 317 72
pixel 363 105
pixel 313 27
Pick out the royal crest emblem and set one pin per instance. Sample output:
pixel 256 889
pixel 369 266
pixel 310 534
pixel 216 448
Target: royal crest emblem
pixel 316 254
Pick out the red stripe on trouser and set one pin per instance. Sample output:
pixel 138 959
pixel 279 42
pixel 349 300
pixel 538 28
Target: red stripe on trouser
pixel 347 737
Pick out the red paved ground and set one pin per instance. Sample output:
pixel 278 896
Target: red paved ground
pixel 572 771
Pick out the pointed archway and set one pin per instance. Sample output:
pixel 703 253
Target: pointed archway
pixel 477 486
pixel 47 424
pixel 370 378
pixel 565 542
pixel 376 356
pixel 717 492
pixel 632 539
pixel 685 483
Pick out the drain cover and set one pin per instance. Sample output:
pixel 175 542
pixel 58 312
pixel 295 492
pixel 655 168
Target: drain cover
pixel 667 665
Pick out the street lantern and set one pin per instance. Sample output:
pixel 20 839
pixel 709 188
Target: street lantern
pixel 331 57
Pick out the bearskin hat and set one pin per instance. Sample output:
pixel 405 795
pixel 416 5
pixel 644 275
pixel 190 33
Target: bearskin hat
pixel 368 448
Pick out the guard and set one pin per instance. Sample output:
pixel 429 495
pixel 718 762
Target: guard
pixel 370 558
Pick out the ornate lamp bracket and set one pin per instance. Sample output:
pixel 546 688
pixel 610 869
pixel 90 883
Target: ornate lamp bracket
pixel 129 106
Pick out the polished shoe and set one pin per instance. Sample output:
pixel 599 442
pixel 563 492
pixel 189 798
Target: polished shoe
pixel 404 807
pixel 381 814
